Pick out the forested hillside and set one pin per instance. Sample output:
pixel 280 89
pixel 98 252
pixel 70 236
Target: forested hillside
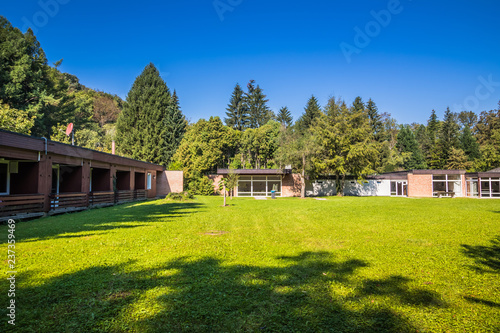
pixel 38 99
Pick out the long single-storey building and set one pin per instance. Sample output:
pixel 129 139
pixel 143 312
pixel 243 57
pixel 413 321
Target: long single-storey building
pixel 414 183
pixel 39 176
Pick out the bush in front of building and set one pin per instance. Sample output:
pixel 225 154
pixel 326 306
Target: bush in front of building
pixel 182 196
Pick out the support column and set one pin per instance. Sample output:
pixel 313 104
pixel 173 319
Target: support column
pixel 45 179
pixel 85 188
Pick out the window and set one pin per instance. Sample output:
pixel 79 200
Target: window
pixel 255 186
pixel 399 188
pixel 472 187
pixel 490 187
pixel 446 185
pixel 55 179
pixel 148 181
pixel 4 178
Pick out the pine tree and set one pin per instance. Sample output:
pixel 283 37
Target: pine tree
pixel 285 117
pixel 175 126
pixel 141 130
pixel 432 153
pixel 375 120
pixel 448 137
pixel 237 110
pixel 257 108
pixel 433 127
pixel 469 144
pixel 358 104
pixel 311 112
pixel 408 147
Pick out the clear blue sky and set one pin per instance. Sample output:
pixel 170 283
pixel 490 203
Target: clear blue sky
pixel 424 55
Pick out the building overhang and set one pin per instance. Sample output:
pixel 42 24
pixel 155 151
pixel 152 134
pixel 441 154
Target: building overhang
pixel 255 172
pixel 488 174
pixel 30 145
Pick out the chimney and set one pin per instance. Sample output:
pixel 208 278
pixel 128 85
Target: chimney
pixel 113 147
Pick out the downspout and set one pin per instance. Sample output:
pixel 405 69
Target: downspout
pixel 45 144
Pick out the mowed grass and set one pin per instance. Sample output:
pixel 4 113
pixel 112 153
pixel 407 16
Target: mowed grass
pixel 287 265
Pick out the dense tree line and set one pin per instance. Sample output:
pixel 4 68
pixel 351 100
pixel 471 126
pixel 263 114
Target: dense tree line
pixel 341 140
pixel 38 99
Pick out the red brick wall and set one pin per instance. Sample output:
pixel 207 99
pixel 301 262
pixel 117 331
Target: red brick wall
pixel 419 185
pixel 464 186
pixel 290 186
pixel 169 181
pixel 152 192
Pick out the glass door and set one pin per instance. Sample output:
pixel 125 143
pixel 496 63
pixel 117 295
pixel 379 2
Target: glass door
pixel 399 188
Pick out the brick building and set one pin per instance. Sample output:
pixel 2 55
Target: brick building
pixel 414 183
pixel 39 176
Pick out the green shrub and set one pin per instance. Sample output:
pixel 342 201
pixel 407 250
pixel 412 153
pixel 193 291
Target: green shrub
pixel 201 186
pixel 182 196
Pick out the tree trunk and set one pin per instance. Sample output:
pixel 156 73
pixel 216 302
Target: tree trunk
pixel 337 184
pixel 224 189
pixel 303 178
pixel 342 185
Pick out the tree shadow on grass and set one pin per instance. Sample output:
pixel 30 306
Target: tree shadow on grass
pixel 91 222
pixel 395 286
pixel 208 295
pixel 482 301
pixel 487 257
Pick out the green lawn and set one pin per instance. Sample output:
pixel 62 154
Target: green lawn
pixel 286 265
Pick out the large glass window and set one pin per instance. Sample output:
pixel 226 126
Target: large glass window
pixel 258 186
pixel 4 178
pixel 148 181
pixel 399 188
pixel 446 185
pixel 490 187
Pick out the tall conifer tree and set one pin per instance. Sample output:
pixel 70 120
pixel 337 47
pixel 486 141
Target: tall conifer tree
pixel 237 110
pixel 175 126
pixel 375 120
pixel 408 146
pixel 448 137
pixel 256 102
pixel 469 144
pixel 284 117
pixel 141 130
pixel 311 112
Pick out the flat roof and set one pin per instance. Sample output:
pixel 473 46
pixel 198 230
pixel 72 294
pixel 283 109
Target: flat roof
pixel 32 143
pixel 255 171
pixel 487 174
pixel 438 172
pixel 391 175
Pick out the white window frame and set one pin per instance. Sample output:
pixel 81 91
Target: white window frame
pixel 8 178
pixel 261 194
pixel 447 181
pixel 148 181
pixel 404 183
pixel 488 180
